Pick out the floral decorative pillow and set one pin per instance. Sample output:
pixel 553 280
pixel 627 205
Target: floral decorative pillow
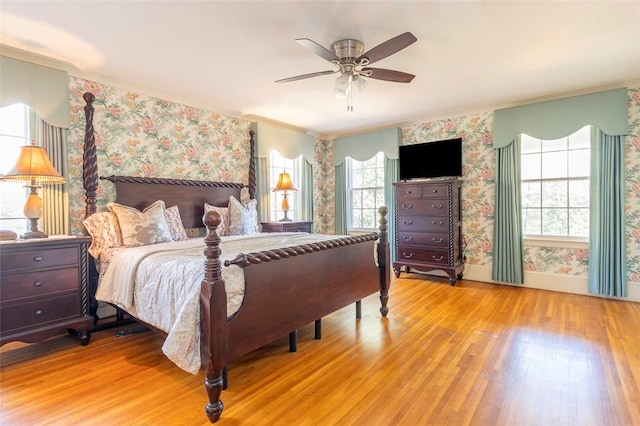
pixel 243 219
pixel 174 221
pixel 104 231
pixel 139 228
pixel 223 228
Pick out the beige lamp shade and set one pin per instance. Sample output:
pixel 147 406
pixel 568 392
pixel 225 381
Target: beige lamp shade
pixel 285 183
pixel 33 165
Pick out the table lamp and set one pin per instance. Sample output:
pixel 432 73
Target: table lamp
pixel 33 166
pixel 284 184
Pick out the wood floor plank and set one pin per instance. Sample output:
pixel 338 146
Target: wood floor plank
pixel 473 354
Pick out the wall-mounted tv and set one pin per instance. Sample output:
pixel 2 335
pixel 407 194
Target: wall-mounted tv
pixel 438 159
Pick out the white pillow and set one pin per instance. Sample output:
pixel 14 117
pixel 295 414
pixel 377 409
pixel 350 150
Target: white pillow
pixel 139 228
pixel 243 219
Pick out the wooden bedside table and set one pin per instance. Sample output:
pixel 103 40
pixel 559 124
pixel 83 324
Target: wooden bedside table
pixel 286 226
pixel 44 289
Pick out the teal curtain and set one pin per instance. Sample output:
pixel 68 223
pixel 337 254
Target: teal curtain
pixel 508 251
pixel 306 189
pixel 607 250
pixel 263 190
pixel 391 175
pixel 341 199
pixel 55 198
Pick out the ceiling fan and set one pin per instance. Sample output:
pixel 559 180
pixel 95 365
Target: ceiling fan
pixel 352 64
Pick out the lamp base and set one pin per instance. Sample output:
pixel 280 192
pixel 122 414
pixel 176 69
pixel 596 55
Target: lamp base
pixel 34 234
pixel 285 219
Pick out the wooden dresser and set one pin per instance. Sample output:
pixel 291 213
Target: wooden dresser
pixel 286 226
pixel 429 227
pixel 44 289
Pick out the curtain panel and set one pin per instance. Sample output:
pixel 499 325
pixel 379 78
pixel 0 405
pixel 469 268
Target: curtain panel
pixel 306 189
pixel 508 247
pixel 607 248
pixel 391 175
pixel 55 198
pixel 341 199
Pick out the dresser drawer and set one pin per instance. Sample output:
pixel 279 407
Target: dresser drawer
pixel 412 223
pixel 39 283
pixel 426 239
pixel 39 258
pixel 423 255
pixel 36 312
pixel 429 207
pixel 435 191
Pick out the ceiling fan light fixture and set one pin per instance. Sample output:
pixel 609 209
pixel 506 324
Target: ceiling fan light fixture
pixel 343 85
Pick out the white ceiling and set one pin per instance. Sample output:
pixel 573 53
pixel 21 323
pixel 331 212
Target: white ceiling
pixel 225 56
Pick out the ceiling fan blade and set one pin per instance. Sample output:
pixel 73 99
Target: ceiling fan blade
pixel 317 49
pixel 388 48
pixel 303 76
pixel 389 75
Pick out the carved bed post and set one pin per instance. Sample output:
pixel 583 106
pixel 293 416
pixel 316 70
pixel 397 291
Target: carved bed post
pixel 89 159
pixel 213 318
pixel 253 180
pixel 383 261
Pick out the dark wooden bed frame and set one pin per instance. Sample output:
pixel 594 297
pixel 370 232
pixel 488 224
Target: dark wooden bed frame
pixel 283 289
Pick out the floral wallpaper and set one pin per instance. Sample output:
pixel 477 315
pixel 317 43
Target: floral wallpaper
pixel 478 161
pixel 478 193
pixel 137 135
pixel 324 182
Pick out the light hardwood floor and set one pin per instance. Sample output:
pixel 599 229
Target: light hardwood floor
pixel 476 354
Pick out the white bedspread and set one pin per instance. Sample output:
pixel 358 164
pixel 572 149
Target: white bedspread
pixel 160 285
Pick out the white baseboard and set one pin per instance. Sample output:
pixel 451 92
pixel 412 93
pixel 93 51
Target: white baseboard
pixel 545 281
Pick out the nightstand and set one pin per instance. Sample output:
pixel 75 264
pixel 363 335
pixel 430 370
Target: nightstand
pixel 286 226
pixel 44 289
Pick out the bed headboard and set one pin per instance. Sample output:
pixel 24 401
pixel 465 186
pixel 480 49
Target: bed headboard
pixel 139 192
pixel 188 195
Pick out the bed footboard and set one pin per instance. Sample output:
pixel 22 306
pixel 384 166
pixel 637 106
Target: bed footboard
pixel 289 296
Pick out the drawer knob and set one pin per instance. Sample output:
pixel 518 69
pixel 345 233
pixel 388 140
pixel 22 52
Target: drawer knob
pixel 407 255
pixel 438 258
pixel 436 240
pixel 407 206
pixel 37 284
pixel 437 223
pixel 37 259
pixel 436 207
pixel 407 222
pixel 38 312
pixel 435 191
pixel 407 238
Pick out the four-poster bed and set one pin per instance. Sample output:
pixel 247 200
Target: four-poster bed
pixel 285 288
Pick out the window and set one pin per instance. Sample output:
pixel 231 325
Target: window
pixel 365 192
pixel 279 164
pixel 14 133
pixel 555 185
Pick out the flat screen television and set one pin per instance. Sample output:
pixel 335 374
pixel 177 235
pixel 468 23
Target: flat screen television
pixel 427 160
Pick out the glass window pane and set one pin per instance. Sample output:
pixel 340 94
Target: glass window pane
pixel 554 164
pixel 581 138
pixel 532 219
pixel 579 163
pixel 579 193
pixel 579 222
pixel 554 194
pixel 531 194
pixel 530 166
pixel 554 222
pixel 529 145
pixel 369 199
pixel 14 121
pixel 553 145
pixel 356 199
